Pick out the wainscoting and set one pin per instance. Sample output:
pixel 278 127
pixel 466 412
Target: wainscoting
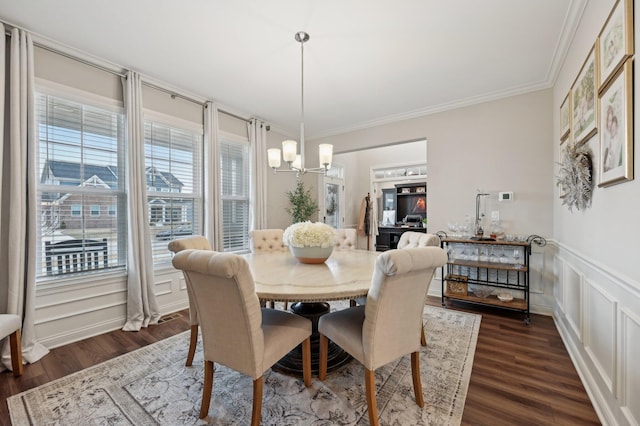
pixel 78 308
pixel 597 313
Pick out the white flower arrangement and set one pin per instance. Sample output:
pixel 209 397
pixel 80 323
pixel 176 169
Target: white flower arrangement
pixel 309 234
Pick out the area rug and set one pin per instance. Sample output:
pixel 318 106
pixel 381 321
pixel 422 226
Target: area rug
pixel 152 386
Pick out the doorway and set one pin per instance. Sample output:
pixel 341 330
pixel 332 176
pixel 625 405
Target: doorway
pixel 331 199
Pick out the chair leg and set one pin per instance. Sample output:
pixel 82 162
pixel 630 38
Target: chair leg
pixel 324 353
pixel 256 414
pixel 207 389
pixel 306 361
pixel 352 303
pixel 286 305
pixel 415 373
pixel 192 344
pixel 16 352
pixel 423 339
pixel 272 304
pixel 370 385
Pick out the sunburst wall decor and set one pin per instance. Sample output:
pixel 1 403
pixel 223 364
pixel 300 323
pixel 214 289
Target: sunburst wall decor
pixel 575 177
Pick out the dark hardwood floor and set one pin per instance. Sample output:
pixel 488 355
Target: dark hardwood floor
pixel 521 374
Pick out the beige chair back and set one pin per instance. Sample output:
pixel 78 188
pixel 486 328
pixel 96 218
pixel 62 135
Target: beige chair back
pixel 229 309
pixel 395 302
pixel 197 242
pixel 266 240
pixel 418 239
pixel 347 239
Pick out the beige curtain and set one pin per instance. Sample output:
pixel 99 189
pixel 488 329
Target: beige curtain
pixel 142 308
pixel 212 201
pixel 18 171
pixel 258 141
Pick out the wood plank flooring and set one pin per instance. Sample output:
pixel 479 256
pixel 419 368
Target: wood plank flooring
pixel 521 374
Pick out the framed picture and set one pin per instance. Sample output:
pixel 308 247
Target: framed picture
pixel 616 128
pixel 565 118
pixel 615 42
pixel 584 112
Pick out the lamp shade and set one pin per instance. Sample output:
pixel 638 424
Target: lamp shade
pixel 273 155
pixel 325 153
pixel 289 149
pixel 297 163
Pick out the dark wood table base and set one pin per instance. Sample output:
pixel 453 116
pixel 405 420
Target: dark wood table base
pixel 292 362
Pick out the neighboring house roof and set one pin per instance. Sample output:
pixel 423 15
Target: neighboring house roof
pixel 159 179
pixel 67 173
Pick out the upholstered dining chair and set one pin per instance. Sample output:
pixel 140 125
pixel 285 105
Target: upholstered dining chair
pixel 347 239
pixel 236 331
pixel 11 325
pixel 267 241
pixel 197 242
pixel 419 239
pixel 385 328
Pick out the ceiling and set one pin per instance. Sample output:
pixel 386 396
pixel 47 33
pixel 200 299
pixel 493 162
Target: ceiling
pixel 368 61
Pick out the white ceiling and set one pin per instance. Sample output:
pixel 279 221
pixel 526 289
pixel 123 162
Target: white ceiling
pixel 367 62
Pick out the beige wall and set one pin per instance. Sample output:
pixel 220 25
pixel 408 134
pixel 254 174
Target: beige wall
pixel 611 221
pixel 504 145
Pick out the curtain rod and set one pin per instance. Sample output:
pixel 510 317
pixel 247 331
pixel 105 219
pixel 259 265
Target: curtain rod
pixel 173 93
pixel 187 98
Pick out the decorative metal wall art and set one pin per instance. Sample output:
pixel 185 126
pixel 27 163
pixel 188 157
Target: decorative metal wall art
pixel 575 177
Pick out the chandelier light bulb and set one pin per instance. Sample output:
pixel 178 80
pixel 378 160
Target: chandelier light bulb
pixel 273 155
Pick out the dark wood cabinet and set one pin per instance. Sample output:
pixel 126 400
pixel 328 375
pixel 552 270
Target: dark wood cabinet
pixel 403 208
pixel 388 236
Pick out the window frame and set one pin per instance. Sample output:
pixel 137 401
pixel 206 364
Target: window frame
pixel 237 139
pixel 198 225
pixel 91 100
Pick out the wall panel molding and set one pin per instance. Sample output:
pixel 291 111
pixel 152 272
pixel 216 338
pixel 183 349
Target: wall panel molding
pixel 628 365
pixel 604 347
pixel 600 313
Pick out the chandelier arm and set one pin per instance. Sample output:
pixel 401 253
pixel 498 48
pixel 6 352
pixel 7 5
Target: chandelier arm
pixel 303 39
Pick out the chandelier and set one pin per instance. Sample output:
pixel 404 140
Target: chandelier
pixel 295 161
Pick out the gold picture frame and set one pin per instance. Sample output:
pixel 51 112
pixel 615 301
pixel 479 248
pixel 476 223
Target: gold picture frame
pixel 616 124
pixel 565 118
pixel 584 105
pixel 615 41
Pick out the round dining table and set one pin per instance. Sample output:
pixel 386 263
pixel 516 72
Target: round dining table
pixel 279 276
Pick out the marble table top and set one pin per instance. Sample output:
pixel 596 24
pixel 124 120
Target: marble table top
pixel 280 277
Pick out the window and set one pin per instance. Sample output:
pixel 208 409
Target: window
pixel 173 164
pixel 81 164
pixel 112 210
pixel 235 175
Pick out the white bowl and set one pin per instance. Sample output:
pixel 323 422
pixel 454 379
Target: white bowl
pixel 505 297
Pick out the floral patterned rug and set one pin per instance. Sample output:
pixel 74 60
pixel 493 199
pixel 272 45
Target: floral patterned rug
pixel 152 386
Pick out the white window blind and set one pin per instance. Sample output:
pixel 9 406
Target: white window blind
pixel 81 164
pixel 173 165
pixel 235 176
